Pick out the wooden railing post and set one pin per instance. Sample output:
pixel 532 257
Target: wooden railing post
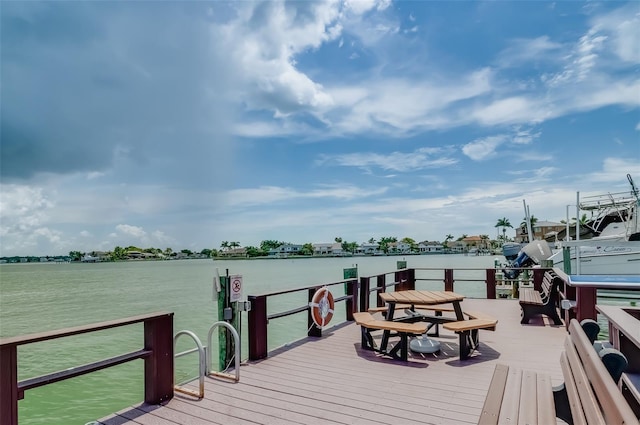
pixel 9 385
pixel 351 304
pixel 491 284
pixel 258 328
pixel 158 367
pixel 538 276
pixel 448 280
pixel 586 303
pixel 364 293
pixel 313 329
pixel 411 279
pixel 381 282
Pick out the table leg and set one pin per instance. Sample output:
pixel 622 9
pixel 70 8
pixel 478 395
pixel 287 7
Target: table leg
pixel 458 309
pixel 384 341
pixel 391 310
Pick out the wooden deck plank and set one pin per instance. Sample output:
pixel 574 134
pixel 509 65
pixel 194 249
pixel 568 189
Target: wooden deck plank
pixel 332 380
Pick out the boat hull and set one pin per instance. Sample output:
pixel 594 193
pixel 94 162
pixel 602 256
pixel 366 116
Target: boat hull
pixel 603 261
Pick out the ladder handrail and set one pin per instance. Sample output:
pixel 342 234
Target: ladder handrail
pixel 201 362
pixel 236 340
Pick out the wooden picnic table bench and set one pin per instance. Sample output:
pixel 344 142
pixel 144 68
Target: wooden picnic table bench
pixel 589 395
pixel 400 350
pixel 534 303
pixel 411 310
pixel 467 330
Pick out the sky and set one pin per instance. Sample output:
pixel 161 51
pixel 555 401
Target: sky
pixel 186 124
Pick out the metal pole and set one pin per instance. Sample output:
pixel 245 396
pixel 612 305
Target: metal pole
pixel 567 237
pixel 577 232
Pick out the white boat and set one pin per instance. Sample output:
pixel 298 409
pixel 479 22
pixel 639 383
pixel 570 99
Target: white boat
pixel 613 247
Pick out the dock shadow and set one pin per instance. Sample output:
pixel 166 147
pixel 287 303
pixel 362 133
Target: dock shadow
pixel 541 321
pixel 374 356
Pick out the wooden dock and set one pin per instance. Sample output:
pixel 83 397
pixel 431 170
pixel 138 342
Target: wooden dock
pixel 331 380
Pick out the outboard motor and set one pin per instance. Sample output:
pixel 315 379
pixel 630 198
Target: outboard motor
pixel 532 253
pixel 510 250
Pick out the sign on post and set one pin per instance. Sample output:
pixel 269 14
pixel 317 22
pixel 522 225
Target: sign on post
pixel 236 288
pixel 401 265
pixel 350 273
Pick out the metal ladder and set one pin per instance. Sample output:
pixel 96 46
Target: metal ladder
pixel 204 359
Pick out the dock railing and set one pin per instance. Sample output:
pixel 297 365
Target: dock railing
pixel 357 298
pixel 259 317
pixel 157 353
pixel 580 296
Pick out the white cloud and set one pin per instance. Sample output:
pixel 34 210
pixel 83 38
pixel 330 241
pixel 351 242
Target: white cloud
pixel 265 195
pixel 360 7
pixel 511 110
pixel 395 161
pixel 263 42
pixel 23 215
pixel 623 25
pixel 484 148
pixel 613 170
pixel 135 231
pixel 521 52
pixel 524 137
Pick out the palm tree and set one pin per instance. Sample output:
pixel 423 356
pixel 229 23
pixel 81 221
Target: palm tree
pixel 523 225
pixel 504 223
pixel 583 219
pixel 224 245
pixel 484 239
pixel 384 243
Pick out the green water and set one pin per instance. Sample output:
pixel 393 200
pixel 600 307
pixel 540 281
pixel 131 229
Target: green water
pixel 41 297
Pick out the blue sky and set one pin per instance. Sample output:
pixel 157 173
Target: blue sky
pixel 185 124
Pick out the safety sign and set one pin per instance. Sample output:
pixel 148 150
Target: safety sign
pixel 236 288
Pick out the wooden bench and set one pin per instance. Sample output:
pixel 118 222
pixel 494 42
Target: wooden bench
pixel 411 310
pixel 467 330
pixel 589 395
pixel 534 303
pixel 383 309
pixel 399 351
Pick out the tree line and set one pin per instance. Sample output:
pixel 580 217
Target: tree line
pixel 383 244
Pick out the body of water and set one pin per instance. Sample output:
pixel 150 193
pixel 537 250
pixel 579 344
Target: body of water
pixel 42 297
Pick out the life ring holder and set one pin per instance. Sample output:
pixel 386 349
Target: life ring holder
pixel 321 306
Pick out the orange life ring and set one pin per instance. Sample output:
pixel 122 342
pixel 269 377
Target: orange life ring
pixel 321 307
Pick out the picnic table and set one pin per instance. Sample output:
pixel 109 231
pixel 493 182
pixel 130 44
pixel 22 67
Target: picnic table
pixel 467 329
pixel 415 298
pixel 422 298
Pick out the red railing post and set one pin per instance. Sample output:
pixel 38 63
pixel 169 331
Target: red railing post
pixel 351 304
pixel 448 280
pixel 381 282
pixel 586 303
pixel 9 385
pixel 158 367
pixel 538 276
pixel 364 293
pixel 411 279
pixel 491 284
pixel 313 329
pixel 397 278
pixel 257 325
